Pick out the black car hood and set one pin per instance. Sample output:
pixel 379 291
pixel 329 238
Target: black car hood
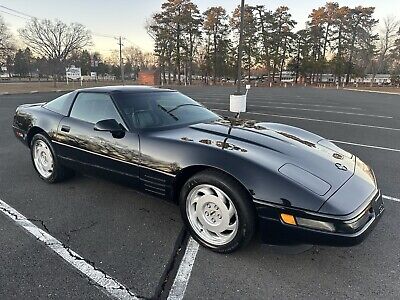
pixel 290 145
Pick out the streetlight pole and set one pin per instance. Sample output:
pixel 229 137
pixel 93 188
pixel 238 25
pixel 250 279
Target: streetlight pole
pixel 239 61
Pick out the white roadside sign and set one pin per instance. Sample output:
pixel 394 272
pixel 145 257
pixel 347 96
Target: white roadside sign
pixel 73 73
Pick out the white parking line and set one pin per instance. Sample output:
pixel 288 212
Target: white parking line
pixel 370 91
pixel 309 109
pixel 319 110
pixel 181 281
pixel 304 104
pixel 391 198
pixel 342 142
pixel 367 146
pixel 104 281
pixel 316 120
pixel 262 100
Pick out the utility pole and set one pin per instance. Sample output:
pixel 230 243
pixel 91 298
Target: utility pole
pixel 239 62
pixel 121 65
pixel 298 58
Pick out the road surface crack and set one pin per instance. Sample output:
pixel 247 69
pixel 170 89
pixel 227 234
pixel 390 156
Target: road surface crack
pixel 41 222
pixel 94 275
pixel 104 274
pixel 72 231
pixel 19 218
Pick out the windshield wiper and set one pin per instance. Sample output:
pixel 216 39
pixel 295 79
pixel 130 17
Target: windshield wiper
pixel 168 112
pixel 186 104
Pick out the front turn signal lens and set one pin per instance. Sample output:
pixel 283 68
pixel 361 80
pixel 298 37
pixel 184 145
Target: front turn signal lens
pixel 288 219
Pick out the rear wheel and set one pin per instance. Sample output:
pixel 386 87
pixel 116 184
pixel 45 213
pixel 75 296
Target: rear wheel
pixel 217 211
pixel 45 161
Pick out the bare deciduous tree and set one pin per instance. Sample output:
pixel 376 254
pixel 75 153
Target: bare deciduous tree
pixel 138 59
pixel 387 41
pixel 55 40
pixel 6 41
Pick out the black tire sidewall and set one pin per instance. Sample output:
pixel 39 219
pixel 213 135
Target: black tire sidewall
pixel 243 205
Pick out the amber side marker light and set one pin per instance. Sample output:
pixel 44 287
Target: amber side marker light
pixel 288 219
pixel 312 224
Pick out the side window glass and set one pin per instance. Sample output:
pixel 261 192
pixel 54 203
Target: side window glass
pixel 94 107
pixel 61 104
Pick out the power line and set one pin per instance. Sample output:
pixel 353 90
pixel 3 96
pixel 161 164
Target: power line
pixel 104 35
pixel 17 11
pixel 6 12
pixel 22 15
pixel 102 49
pixel 132 43
pixel 25 16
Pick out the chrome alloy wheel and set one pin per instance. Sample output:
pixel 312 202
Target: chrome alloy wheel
pixel 212 214
pixel 43 158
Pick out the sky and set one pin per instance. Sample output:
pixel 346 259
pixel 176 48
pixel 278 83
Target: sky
pixel 127 18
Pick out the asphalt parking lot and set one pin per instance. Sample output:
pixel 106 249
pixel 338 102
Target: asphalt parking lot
pixel 140 242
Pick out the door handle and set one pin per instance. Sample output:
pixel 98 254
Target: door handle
pixel 65 128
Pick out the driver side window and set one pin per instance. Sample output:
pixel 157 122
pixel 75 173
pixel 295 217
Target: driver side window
pixel 94 107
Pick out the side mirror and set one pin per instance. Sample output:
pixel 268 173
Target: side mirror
pixel 110 125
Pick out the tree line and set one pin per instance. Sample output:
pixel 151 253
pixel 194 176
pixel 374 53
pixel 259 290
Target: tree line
pixel 339 40
pixel 51 46
pixel 189 44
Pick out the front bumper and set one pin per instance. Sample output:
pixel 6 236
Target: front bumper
pixel 350 230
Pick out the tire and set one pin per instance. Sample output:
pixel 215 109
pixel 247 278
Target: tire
pixel 206 201
pixel 45 161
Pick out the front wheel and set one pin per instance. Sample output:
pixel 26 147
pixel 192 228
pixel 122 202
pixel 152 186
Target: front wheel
pixel 45 161
pixel 218 211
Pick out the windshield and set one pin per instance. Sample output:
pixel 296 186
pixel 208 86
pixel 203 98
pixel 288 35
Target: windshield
pixel 162 110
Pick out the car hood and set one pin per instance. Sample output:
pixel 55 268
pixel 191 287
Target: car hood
pixel 304 157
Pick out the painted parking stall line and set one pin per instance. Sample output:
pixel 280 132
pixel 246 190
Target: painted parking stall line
pixel 302 104
pixel 256 101
pixel 366 146
pixel 324 111
pixel 391 198
pixel 372 91
pixel 181 281
pixel 104 281
pixel 344 123
pixel 182 278
pixel 309 109
pixel 315 120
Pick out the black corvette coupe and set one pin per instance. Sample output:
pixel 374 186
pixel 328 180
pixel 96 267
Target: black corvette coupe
pixel 229 176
